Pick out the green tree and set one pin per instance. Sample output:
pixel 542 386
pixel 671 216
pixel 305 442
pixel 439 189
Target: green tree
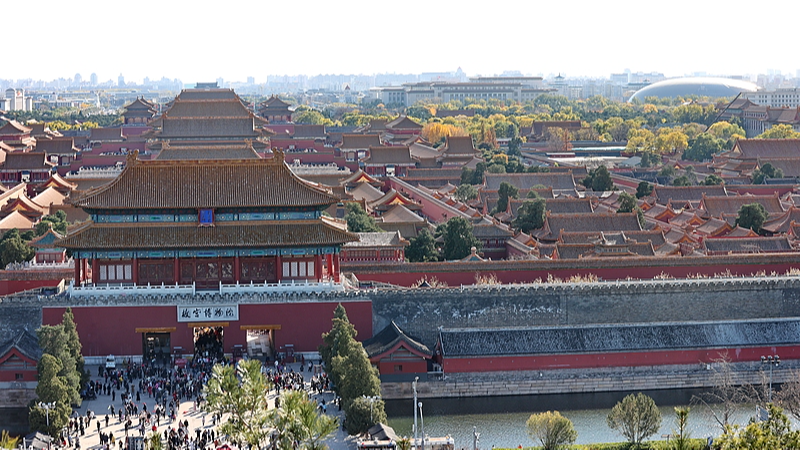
pixel 514 145
pixel 311 117
pixel 505 192
pixel 712 180
pixel 773 433
pixel 473 176
pixel 532 194
pixel 667 171
pixel 649 159
pixel 54 341
pixel 640 217
pixel 422 248
pixel 496 168
pixel 457 238
pixel 466 192
pixel 51 389
pixel 703 147
pixel 58 222
pixel 781 131
pixel 363 414
pixel 753 216
pixel 74 345
pixel 352 374
pixel 761 174
pixel 298 421
pixel 14 249
pixel 599 179
pixel 627 203
pixel 682 180
pixel 682 437
pixel 551 429
pixel 241 391
pixel 358 221
pixel 644 189
pixel 636 417
pixel 357 377
pixel 530 215
pixel 341 331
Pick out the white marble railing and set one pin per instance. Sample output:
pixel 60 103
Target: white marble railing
pixel 282 288
pixel 33 265
pixel 118 289
pixel 290 287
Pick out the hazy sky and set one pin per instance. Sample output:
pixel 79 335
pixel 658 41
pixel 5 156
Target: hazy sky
pixel 197 41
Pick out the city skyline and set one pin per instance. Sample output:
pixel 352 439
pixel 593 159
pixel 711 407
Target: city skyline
pixel 251 39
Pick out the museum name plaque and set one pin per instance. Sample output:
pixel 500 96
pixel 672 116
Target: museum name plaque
pixel 208 313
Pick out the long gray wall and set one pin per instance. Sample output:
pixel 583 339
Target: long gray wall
pixel 421 312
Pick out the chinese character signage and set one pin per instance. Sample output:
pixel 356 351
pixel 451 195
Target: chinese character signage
pixel 222 313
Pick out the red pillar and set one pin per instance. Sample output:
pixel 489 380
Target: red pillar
pixel 77 262
pixel 135 270
pixel 318 267
pixel 236 269
pixel 329 265
pixel 176 270
pixel 278 268
pixel 95 271
pixel 85 269
pixel 336 263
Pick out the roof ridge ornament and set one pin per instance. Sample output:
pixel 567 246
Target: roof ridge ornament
pixel 133 157
pixel 278 156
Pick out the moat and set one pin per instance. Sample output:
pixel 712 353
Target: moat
pixel 501 420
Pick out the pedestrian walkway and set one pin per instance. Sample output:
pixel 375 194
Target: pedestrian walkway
pixel 197 419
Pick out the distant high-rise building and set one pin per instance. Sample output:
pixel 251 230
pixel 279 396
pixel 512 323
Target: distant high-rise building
pixel 78 79
pixel 619 78
pixel 120 80
pixel 93 79
pixel 251 80
pixel 16 101
pixel 220 82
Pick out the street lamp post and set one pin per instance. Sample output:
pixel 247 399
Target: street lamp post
pixel 773 361
pixel 47 407
pixel 371 401
pixel 422 424
pixel 414 406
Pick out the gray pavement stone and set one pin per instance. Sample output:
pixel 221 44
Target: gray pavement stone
pixel 340 440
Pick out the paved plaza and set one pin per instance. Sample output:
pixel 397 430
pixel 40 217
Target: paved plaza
pixel 198 419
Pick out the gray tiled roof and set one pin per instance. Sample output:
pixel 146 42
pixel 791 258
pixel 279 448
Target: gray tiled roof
pixel 664 194
pixel 388 337
pixel 473 342
pixel 748 245
pixel 524 181
pixel 26 342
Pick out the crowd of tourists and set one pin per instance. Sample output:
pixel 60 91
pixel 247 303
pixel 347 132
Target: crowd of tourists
pixel 146 399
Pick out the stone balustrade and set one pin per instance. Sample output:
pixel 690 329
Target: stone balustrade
pixel 293 287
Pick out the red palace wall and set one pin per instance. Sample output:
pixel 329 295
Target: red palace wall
pixel 387 366
pixel 13 286
pixel 599 360
pixel 108 330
